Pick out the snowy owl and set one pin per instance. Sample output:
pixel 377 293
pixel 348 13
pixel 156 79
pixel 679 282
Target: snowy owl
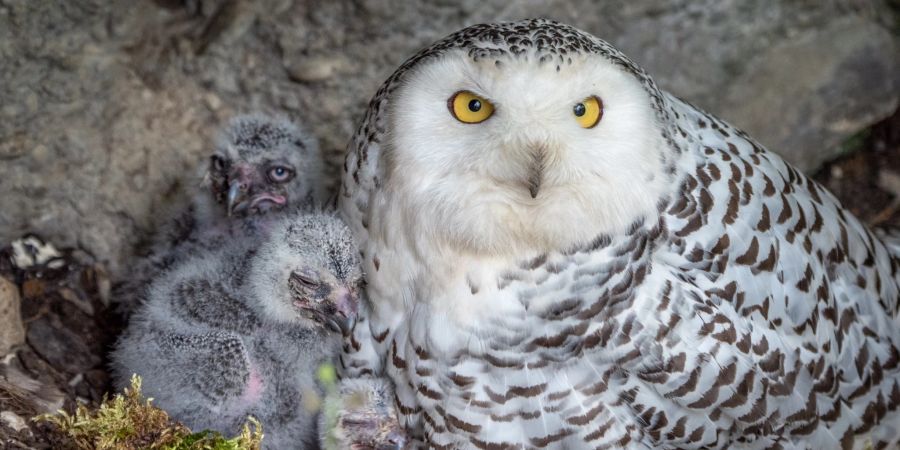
pixel 560 254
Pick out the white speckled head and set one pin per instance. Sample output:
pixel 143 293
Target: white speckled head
pixel 531 162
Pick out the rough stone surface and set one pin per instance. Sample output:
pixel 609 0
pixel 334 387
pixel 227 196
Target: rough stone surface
pixel 12 332
pixel 59 346
pixel 107 106
pixel 821 114
pixel 13 420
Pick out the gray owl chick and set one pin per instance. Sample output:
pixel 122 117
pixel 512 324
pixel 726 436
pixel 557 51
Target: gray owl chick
pixel 260 168
pixel 361 416
pixel 260 164
pixel 242 330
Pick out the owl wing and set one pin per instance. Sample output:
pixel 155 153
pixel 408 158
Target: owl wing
pixel 202 301
pixel 786 306
pixel 188 375
pixel 361 179
pixel 216 365
pixel 361 172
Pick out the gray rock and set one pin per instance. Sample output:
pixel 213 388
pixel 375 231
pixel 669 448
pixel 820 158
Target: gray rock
pixel 791 100
pixel 106 107
pixel 60 346
pixel 316 68
pixel 13 420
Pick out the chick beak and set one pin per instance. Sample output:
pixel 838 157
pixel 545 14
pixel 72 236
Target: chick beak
pixel 235 189
pixel 395 440
pixel 343 324
pixel 344 318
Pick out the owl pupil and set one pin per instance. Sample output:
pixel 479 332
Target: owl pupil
pixel 474 105
pixel 580 109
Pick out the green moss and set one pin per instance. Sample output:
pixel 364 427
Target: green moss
pixel 128 421
pixel 855 142
pixel 327 375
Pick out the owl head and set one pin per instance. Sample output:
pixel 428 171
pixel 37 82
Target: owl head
pixel 262 164
pixel 529 135
pixel 365 417
pixel 308 271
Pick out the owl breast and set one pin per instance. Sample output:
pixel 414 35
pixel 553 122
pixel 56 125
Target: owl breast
pixel 708 326
pixel 534 353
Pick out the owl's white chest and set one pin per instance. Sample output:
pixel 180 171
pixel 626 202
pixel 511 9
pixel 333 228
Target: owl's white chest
pixel 504 349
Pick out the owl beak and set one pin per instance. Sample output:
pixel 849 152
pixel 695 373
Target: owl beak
pixel 534 185
pixel 344 318
pixel 395 440
pixel 233 197
pixel 343 324
pixel 241 179
pixel 536 170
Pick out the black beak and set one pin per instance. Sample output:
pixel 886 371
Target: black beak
pixel 342 324
pixel 337 312
pixel 534 188
pixel 395 440
pixel 345 302
pixel 234 194
pixel 536 170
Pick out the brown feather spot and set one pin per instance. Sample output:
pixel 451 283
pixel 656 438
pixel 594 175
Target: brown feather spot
pixel 455 422
pixel 706 400
pixel 764 221
pixel 551 438
pixel 381 336
pixel 687 387
pixel 769 190
pixel 749 257
pixel 395 359
pixel 722 245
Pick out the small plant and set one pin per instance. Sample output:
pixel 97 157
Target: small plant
pixel 855 142
pixel 128 421
pixel 327 375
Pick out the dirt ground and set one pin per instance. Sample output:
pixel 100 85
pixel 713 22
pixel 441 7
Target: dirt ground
pixel 70 328
pixel 867 179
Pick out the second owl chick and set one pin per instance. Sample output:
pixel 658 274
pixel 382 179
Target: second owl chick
pixel 361 416
pixel 241 331
pixel 260 164
pixel 260 168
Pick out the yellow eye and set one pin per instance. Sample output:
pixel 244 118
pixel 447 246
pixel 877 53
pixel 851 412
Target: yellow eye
pixel 588 112
pixel 467 107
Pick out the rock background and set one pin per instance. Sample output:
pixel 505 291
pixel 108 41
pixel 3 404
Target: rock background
pixel 106 107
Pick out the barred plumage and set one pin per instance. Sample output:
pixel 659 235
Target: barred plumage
pixel 672 284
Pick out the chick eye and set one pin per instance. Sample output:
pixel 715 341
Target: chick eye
pixel 280 174
pixel 217 163
pixel 589 112
pixel 467 107
pixel 305 279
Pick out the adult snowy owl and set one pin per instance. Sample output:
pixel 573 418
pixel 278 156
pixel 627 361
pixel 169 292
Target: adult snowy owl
pixel 560 254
